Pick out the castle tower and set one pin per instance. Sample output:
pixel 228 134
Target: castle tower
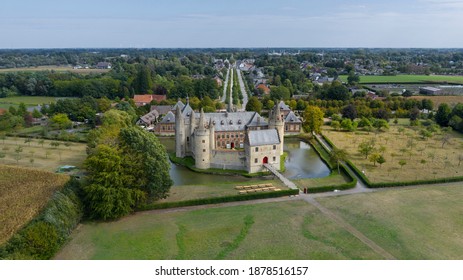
pixel 211 134
pixel 179 134
pixel 276 121
pixel 202 144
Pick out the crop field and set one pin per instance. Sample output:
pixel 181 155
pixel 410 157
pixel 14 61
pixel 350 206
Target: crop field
pixel 415 79
pixel 410 223
pixel 35 154
pixel 54 68
pixel 437 100
pixel 283 230
pixel 424 159
pixel 23 193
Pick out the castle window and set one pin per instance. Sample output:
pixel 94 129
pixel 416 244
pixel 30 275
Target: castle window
pixel 204 150
pixel 274 159
pixel 232 136
pixel 228 136
pixel 257 149
pixel 221 122
pixel 239 121
pixel 286 127
pixel 204 141
pixel 255 160
pixel 231 122
pixel 274 147
pixel 188 139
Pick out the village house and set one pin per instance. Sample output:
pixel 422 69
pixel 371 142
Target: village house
pixel 143 99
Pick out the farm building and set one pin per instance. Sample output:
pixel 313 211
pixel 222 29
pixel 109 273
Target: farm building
pixel 429 90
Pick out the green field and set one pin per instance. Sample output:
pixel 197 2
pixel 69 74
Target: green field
pixel 285 230
pixel 415 79
pixel 410 223
pixel 28 100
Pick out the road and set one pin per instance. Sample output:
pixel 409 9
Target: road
pixel 242 88
pixel 225 85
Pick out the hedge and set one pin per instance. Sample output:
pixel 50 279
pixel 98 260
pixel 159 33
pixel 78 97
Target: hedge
pixel 216 200
pixel 42 237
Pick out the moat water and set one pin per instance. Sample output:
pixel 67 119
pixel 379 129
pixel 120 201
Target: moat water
pixel 302 162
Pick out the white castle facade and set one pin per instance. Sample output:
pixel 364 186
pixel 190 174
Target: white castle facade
pixel 229 140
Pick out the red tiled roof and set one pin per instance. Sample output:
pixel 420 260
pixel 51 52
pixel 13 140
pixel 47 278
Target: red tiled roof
pixel 147 98
pixel 264 88
pixel 2 111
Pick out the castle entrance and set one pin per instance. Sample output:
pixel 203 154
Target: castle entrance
pixel 265 160
pixel 232 145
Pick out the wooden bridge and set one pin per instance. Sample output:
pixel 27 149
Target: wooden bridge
pixel 282 178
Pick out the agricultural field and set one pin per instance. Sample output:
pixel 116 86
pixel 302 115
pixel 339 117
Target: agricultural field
pixel 437 100
pixel 410 223
pixel 23 193
pixel 54 68
pixel 45 156
pixel 422 159
pixel 411 79
pixel 282 230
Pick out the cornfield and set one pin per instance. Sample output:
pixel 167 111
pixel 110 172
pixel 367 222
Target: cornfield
pixel 23 193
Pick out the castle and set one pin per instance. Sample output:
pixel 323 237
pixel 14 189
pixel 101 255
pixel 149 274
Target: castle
pixel 229 140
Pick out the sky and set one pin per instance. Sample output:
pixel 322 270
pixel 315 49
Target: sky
pixel 231 23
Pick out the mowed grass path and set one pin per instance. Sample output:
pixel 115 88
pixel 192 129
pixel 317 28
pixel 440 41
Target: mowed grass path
pixel 410 223
pixel 407 79
pixel 283 230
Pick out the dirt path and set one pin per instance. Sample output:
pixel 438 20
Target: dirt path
pixel 339 221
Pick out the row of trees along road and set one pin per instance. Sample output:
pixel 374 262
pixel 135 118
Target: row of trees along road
pixel 128 167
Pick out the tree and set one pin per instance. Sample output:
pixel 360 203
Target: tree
pixel 337 156
pixel 254 105
pixel 349 112
pixel 443 114
pixel 352 78
pixel 313 119
pixel 414 114
pixel 407 93
pixel 381 160
pixel 366 147
pixel 402 162
pixel 125 171
pixel 61 121
pixel 336 125
pixel 374 158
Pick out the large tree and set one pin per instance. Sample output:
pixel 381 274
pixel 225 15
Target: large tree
pixel 254 105
pixel 313 119
pixel 443 114
pixel 127 166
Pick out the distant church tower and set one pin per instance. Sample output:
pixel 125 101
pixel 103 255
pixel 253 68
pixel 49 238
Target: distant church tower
pixel 276 121
pixel 202 144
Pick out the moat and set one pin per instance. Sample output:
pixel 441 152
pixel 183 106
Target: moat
pixel 302 162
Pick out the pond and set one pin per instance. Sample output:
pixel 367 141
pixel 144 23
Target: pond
pixel 302 162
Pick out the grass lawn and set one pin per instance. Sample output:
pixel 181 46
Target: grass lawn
pixel 285 230
pixel 28 100
pixel 23 193
pixel 333 179
pixel 411 223
pixel 190 192
pixel 44 157
pixel 407 79
pixel 437 100
pixel 425 159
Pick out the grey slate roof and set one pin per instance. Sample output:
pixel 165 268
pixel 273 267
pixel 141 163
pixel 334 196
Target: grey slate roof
pixel 150 117
pixel 283 106
pixel 292 118
pixel 162 109
pixel 263 137
pixel 179 103
pixel 234 121
pixel 169 118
